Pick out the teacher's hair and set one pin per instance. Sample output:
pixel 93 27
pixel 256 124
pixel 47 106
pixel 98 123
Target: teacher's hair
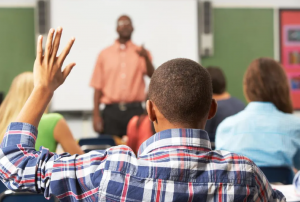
pixel 266 81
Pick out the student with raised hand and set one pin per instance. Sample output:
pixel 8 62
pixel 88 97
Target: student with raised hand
pixel 176 164
pixel 53 128
pixel 265 131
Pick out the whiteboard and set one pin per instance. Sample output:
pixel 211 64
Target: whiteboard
pixel 167 28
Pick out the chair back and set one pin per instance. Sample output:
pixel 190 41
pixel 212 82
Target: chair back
pixel 101 143
pixel 24 196
pixel 284 175
pixel 2 187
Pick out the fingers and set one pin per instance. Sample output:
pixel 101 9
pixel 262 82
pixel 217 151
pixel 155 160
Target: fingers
pixel 56 43
pixel 39 49
pixel 65 52
pixel 49 44
pixel 67 70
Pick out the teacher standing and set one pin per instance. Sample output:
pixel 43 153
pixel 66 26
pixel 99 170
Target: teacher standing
pixel 118 81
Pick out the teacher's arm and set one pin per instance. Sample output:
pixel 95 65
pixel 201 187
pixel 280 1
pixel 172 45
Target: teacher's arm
pixel 149 66
pixel 97 119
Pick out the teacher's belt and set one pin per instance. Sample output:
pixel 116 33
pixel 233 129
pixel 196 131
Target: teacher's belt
pixel 124 106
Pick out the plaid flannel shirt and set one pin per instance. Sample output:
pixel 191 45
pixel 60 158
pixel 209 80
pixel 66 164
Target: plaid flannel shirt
pixel 173 165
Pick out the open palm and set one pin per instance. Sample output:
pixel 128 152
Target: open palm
pixel 47 68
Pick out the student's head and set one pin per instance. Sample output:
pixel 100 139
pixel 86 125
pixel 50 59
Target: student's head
pixel 218 80
pixel 124 27
pixel 180 96
pixel 266 81
pixel 17 95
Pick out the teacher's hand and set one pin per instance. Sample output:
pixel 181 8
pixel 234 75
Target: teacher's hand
pixel 142 52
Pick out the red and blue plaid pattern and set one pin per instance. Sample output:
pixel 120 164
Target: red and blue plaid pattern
pixel 173 165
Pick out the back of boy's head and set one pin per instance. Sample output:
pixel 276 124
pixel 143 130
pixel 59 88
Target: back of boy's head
pixel 181 89
pixel 218 79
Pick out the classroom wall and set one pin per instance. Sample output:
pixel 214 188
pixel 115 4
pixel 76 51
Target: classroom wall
pixel 243 31
pixel 17 43
pixel 256 3
pixel 240 35
pixel 81 125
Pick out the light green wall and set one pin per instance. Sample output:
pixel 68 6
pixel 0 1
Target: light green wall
pixel 240 35
pixel 17 46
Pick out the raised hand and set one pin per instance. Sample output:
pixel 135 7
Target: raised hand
pixel 47 69
pixel 48 76
pixel 142 52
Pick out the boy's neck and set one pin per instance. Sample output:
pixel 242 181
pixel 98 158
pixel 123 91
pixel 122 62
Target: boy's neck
pixel 167 125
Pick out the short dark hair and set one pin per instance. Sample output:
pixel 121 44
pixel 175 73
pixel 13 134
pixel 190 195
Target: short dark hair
pixel 266 81
pixel 218 79
pixel 182 91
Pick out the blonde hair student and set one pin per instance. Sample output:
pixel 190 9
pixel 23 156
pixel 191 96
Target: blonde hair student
pixel 53 128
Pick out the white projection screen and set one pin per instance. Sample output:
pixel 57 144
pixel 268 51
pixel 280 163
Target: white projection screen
pixel 167 28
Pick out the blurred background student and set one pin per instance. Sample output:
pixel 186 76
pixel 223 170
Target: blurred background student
pixel 227 105
pixel 265 131
pixel 52 129
pixel 118 82
pixel 139 129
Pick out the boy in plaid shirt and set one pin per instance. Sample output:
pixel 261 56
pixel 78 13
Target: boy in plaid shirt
pixel 175 164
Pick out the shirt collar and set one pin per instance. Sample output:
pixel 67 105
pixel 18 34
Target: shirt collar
pixel 192 138
pixel 120 46
pixel 260 106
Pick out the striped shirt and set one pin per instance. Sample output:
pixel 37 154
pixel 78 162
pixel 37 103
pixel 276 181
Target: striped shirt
pixel 172 165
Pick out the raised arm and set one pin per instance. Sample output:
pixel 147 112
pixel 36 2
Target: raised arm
pixel 21 166
pixel 48 76
pixel 97 119
pixel 149 66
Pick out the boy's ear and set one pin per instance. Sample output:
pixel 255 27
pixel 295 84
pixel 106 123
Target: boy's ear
pixel 151 111
pixel 213 109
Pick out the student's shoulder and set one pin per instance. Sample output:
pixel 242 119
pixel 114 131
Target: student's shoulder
pixel 290 122
pixel 245 164
pixel 234 119
pixel 234 158
pixel 50 120
pixel 238 102
pixel 133 121
pixel 123 154
pixel 229 156
pixel 292 118
pixel 52 116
